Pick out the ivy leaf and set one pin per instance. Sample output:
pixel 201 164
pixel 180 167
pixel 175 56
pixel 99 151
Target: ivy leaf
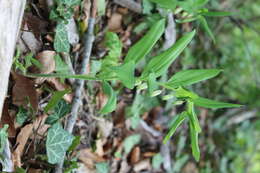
pixel 111 103
pixel 188 77
pixel 160 63
pixel 60 65
pixel 3 137
pixel 61 41
pixel 58 141
pixel 176 123
pixel 126 74
pixel 207 103
pixel 60 110
pixel 130 142
pixel 22 115
pixel 157 161
pixel 57 96
pixel 102 167
pixel 140 49
pixel 71 3
pixel 194 142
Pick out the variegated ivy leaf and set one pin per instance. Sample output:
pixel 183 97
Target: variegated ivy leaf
pixel 61 41
pixel 58 142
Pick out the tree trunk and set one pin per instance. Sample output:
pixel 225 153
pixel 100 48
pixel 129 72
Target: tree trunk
pixel 11 14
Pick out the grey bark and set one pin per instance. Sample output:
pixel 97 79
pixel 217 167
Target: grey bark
pixel 11 14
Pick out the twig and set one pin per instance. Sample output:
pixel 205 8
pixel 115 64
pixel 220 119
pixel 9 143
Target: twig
pixel 130 4
pixel 66 58
pixel 79 84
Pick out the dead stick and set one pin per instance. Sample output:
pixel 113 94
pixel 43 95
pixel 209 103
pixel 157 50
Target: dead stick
pixel 79 84
pixel 130 4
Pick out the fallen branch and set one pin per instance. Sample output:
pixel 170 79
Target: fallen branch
pixel 79 84
pixel 130 4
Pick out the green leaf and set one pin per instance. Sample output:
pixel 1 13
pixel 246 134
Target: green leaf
pixel 74 144
pixel 168 4
pixel 140 49
pixel 57 96
pixel 61 41
pixel 60 65
pixel 152 84
pixel 206 27
pixel 193 117
pixel 216 13
pixel 101 7
pixel 3 137
pixel 102 167
pixel 58 141
pixel 114 46
pixel 207 103
pixel 188 77
pixel 111 103
pixel 71 3
pixel 76 76
pixel 183 93
pixel 22 115
pixel 194 143
pixel 157 161
pixel 60 110
pixel 126 74
pixel 19 170
pixel 160 63
pixel 130 142
pixel 177 122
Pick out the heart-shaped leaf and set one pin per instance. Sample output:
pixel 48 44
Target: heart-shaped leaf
pixel 58 141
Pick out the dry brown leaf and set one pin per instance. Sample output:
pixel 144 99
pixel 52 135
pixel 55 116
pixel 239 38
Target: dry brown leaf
pixel 32 170
pixel 89 158
pixel 7 119
pixel 115 22
pixel 35 24
pixel 135 155
pixel 23 90
pixel 46 58
pixel 142 165
pixel 23 137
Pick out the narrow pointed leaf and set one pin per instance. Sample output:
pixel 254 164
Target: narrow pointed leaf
pixel 207 103
pixel 194 135
pixel 188 77
pixel 111 103
pixel 168 4
pixel 178 120
pixel 160 63
pixel 126 74
pixel 144 46
pixel 152 84
pixel 76 76
pixel 216 13
pixel 206 27
pixel 193 117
